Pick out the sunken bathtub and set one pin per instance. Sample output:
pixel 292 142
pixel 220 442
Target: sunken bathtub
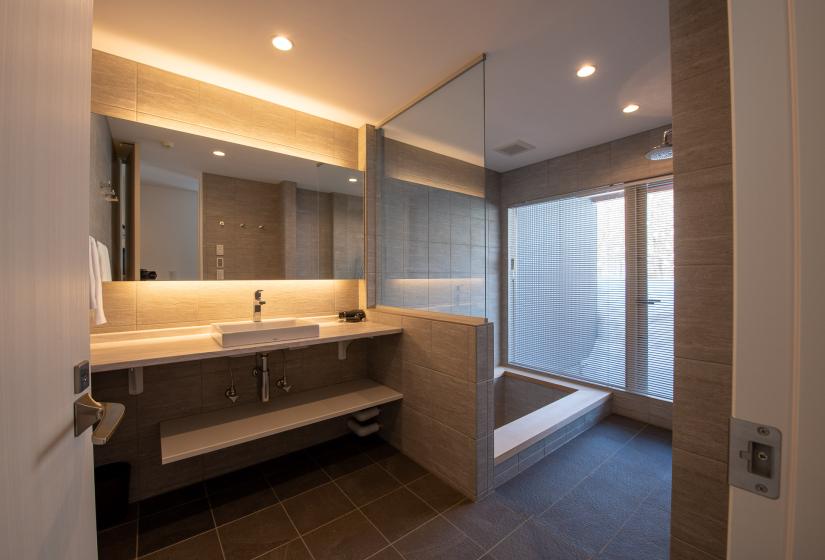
pixel 536 414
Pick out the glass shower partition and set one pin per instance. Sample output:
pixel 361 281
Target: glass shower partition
pixel 436 203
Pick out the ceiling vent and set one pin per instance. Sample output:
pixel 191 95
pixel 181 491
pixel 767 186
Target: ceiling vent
pixel 515 148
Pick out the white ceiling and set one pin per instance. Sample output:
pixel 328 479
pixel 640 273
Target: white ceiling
pixel 357 61
pixel 181 166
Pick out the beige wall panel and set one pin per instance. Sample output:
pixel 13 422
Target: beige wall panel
pixel 114 81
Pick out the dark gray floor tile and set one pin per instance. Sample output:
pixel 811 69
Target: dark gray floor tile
pixel 232 504
pixel 341 456
pixel 379 449
pixel 440 495
pixel 650 451
pixel 294 550
pixel 172 525
pixel 250 477
pixel 645 536
pixel 388 553
pixel 487 521
pixel 403 468
pixel 398 513
pixel 293 474
pixel 351 537
pixel 592 513
pixel 255 534
pixel 632 479
pixel 535 540
pixel 539 487
pixel 660 497
pixel 156 504
pixel 317 506
pixel 131 514
pixel 438 540
pixel 118 543
pixel 367 484
pixel 203 547
pixel 618 427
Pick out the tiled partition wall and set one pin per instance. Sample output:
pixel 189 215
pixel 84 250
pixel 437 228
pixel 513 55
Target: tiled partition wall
pixel 153 305
pixel 612 162
pixel 443 366
pixel 704 276
pixel 183 389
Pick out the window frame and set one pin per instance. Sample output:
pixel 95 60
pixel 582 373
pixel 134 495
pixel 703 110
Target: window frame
pixel 635 227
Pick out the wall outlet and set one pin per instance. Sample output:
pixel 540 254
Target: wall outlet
pixel 220 274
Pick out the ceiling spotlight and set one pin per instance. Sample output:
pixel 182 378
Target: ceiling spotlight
pixel 281 43
pixel 218 153
pixel 630 108
pixel 353 180
pixel 586 70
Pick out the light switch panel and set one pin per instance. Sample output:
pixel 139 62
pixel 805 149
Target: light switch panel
pixel 220 274
pixel 219 249
pixel 219 262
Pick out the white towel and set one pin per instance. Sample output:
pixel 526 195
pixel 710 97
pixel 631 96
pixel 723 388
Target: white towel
pixel 105 263
pixel 96 287
pixel 92 289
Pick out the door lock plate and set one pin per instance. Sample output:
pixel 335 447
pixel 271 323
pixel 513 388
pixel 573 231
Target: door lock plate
pixel 755 457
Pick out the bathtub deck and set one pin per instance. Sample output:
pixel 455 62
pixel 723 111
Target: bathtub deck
pixel 539 426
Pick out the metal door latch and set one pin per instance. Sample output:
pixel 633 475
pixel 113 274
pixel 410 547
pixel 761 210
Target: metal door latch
pixel 755 457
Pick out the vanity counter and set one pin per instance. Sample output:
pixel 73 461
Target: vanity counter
pixel 117 351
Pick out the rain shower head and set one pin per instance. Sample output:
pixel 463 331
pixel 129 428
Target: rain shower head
pixel 663 150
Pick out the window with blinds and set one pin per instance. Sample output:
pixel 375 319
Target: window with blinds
pixel 591 286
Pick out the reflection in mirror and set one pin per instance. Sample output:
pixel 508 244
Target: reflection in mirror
pixel 168 205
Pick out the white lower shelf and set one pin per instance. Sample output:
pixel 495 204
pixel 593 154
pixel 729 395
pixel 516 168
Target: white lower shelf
pixel 190 436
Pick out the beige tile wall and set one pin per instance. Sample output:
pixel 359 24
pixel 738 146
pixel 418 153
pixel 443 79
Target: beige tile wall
pixel 410 163
pixel 612 162
pixel 235 201
pixel 176 390
pixel 444 369
pixel 128 90
pixel 704 283
pixel 147 305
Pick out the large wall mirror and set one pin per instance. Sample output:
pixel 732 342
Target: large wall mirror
pixel 167 205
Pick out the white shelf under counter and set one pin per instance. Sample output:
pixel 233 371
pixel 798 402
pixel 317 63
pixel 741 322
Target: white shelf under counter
pixel 190 436
pixel 136 349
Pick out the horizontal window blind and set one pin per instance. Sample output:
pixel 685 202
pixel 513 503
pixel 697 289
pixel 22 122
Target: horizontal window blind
pixel 591 287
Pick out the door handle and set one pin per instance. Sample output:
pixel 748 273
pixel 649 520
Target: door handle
pixel 105 417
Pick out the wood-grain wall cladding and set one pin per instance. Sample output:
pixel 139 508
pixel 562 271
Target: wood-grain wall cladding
pixel 703 218
pixel 129 90
pixel 417 165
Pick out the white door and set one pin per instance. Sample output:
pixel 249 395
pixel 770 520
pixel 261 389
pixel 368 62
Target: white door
pixel 778 87
pixel 46 474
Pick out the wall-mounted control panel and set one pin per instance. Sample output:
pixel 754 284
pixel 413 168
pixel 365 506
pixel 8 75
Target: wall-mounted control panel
pixel 82 377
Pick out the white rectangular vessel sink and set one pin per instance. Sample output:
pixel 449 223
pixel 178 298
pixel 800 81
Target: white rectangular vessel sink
pixel 242 333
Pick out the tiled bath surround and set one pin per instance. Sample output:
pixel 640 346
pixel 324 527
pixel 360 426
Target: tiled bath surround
pixel 514 398
pixel 525 459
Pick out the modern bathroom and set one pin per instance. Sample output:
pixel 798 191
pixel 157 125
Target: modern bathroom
pixel 411 280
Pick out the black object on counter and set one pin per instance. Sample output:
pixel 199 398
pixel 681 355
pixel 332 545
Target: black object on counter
pixel 148 274
pixel 354 316
pixel 112 494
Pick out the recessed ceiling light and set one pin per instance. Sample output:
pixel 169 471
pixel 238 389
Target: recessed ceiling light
pixel 630 108
pixel 353 180
pixel 586 70
pixel 218 153
pixel 281 43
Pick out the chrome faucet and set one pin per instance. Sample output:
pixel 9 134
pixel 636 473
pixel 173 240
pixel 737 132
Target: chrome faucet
pixel 256 306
